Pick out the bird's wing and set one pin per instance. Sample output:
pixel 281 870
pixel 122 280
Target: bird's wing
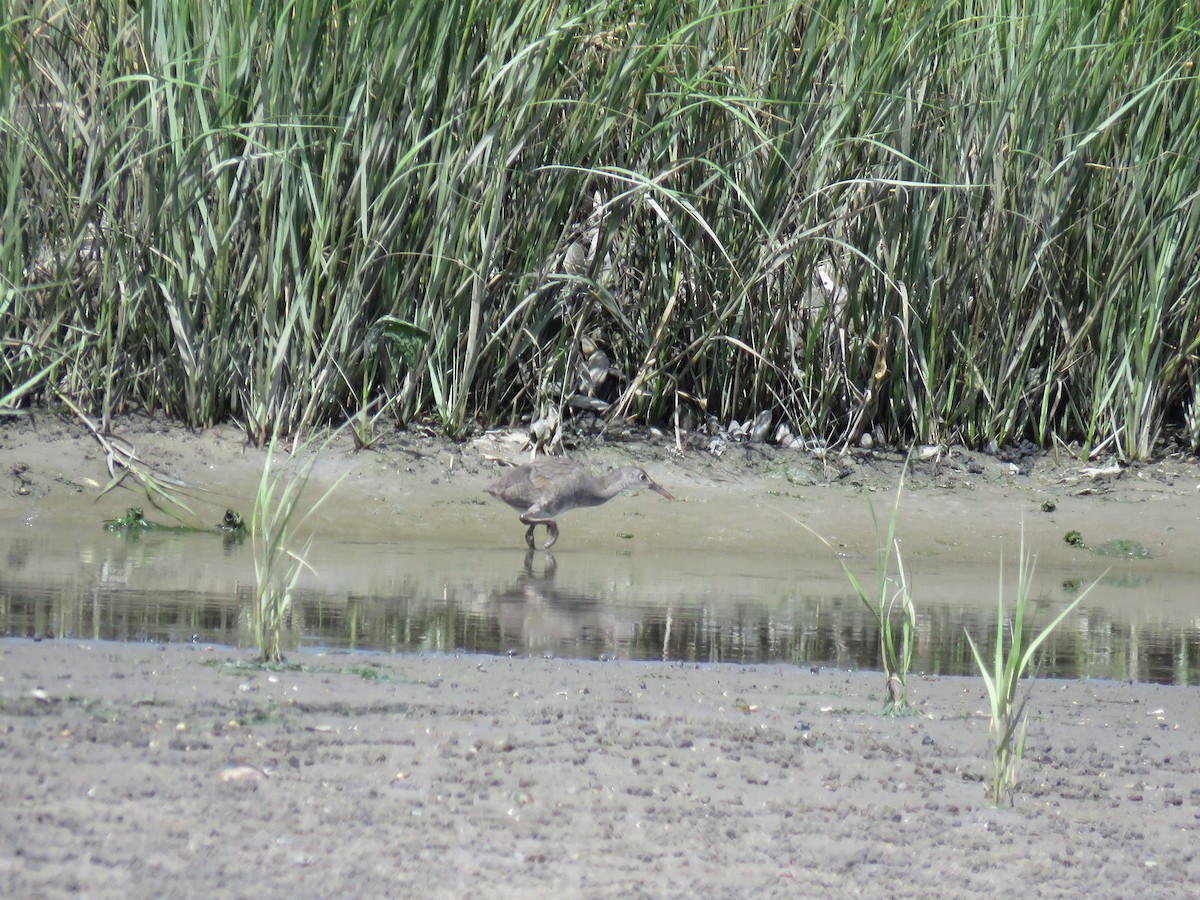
pixel 551 469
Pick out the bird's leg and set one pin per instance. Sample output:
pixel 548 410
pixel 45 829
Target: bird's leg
pixel 533 518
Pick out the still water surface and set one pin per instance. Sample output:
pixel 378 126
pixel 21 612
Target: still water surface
pixel 616 602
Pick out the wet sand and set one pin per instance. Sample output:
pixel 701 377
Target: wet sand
pixel 182 771
pixel 138 771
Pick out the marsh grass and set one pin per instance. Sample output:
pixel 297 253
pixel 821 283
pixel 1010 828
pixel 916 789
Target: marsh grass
pixel 122 461
pixel 930 221
pixel 889 603
pixel 892 607
pixel 1010 676
pixel 279 512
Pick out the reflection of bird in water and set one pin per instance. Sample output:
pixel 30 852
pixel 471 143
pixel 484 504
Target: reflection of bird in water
pixel 542 489
pixel 548 570
pixel 533 615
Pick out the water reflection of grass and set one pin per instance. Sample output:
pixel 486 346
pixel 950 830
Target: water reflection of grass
pixel 729 612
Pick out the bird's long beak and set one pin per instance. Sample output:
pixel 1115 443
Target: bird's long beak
pixel 659 489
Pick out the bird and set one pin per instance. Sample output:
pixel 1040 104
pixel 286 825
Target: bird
pixel 542 489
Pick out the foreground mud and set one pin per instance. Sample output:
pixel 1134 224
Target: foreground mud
pixel 131 771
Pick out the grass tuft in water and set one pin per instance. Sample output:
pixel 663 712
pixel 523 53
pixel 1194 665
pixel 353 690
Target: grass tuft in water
pixel 890 604
pixel 892 607
pixel 278 514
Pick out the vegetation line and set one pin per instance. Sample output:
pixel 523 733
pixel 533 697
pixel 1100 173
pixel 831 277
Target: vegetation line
pixel 921 222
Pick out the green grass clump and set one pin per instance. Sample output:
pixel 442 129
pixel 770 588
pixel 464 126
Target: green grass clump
pixel 278 514
pixel 1012 662
pixel 890 605
pixel 934 221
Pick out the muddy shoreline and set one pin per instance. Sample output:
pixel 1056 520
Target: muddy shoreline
pixel 149 770
pixel 960 504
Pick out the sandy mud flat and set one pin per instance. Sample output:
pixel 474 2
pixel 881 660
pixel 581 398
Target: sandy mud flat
pixel 169 772
pixel 147 770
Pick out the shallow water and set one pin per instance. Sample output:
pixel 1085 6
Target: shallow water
pixel 619 602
